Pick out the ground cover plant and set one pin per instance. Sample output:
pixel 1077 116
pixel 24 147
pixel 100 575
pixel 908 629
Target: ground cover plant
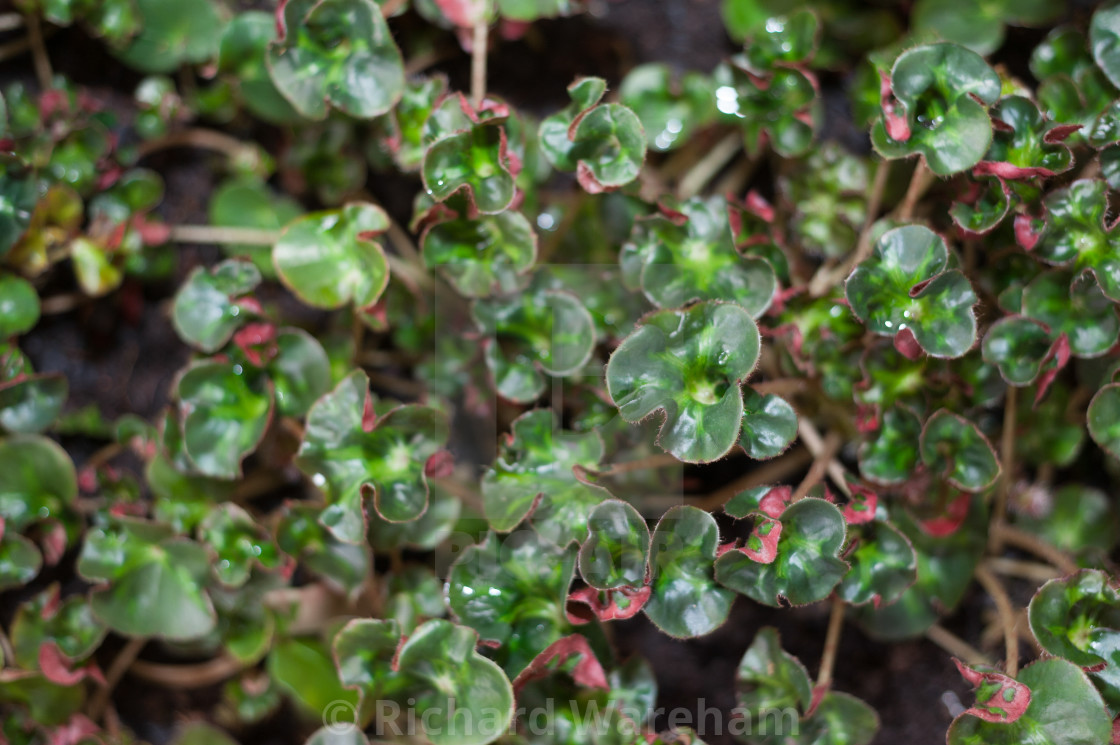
pixel 361 382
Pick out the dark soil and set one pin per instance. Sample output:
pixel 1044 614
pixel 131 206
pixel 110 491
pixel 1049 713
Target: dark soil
pixel 121 354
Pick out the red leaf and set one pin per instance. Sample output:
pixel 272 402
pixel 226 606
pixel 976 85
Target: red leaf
pixel 897 127
pixel 56 667
pixel 74 731
pixel 907 345
pixel 463 13
pixel 1026 233
pixel 369 416
pixel 861 508
pixel 999 698
pixel 439 465
pixel 762 543
pixel 257 341
pixel 1010 172
pixel 1060 353
pixel 947 524
pixel 587 672
pixel 588 181
pixel 1059 133
pixel 637 597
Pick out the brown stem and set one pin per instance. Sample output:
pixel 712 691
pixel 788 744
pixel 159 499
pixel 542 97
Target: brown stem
pixel 1030 570
pixel 121 663
pixel 919 182
pixel 1006 611
pixel 817 446
pixel 39 57
pixel 1007 454
pixel 203 139
pixel 705 169
pixel 1035 545
pixel 478 63
pixel 770 473
pixel 831 643
pixel 14 48
pixel 220 234
pixel 659 460
pixel 10 21
pixel 956 646
pixel 781 386
pixel 188 677
pixel 821 463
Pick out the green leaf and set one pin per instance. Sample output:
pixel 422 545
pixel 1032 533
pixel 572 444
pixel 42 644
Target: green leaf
pixel 1064 710
pixel 807 566
pixel 171 34
pixel 1104 39
pixel 604 143
pixel 329 259
pixel 247 202
pixel 29 404
pixel 616 550
pixel 474 161
pixel 961 449
pixel 415 594
pixel 906 285
pixel 206 310
pixel 37 481
pixel 1027 145
pixel 225 412
pixel 782 41
pixel 19 306
pixel 460 696
pixel 535 472
pixel 942 91
pixel 337 52
pixel 1076 234
pixel 513 591
pixel 1075 518
pixel 20 561
pixel 68 623
pixel 239 543
pixel 304 670
pixel 982 211
pixel 689 254
pixel 770 679
pixel 686 601
pixel 1019 346
pixel 155 581
pixel 829 190
pixel 545 331
pixel 1075 306
pixel 482 256
pixel 883 565
pixel 1104 419
pixel 980 26
pixel 945 567
pixel 689 365
pixel 300 372
pixel 670 112
pixel 779 109
pixel 769 425
pixel 344 566
pixel 242 56
pixel 350 453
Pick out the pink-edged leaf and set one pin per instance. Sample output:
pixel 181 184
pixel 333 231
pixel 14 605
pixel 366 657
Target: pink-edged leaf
pixel 588 181
pixel 1009 172
pixel 52 541
pixel 58 668
pixel 776 501
pixel 999 698
pixel 78 728
pixel 257 341
pixel 439 465
pixel 464 13
pixel 369 416
pixel 897 127
pixel 762 543
pixel 907 344
pixel 1027 231
pixel 587 672
pixel 609 610
pixel 1059 133
pixel 867 418
pixel 951 521
pixel 862 505
pixel 1060 354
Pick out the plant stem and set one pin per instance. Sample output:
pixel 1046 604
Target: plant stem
pixel 121 663
pixel 658 460
pixel 824 281
pixel 43 72
pixel 831 643
pixel 956 646
pixel 10 21
pixel 188 677
pixel 203 139
pixel 64 303
pixel 772 472
pixel 705 169
pixel 1030 570
pixel 1007 454
pixel 478 63
pixel 816 445
pixel 821 464
pixel 1006 612
pixel 919 182
pixel 1035 545
pixel 14 48
pixel 221 234
pixel 736 179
